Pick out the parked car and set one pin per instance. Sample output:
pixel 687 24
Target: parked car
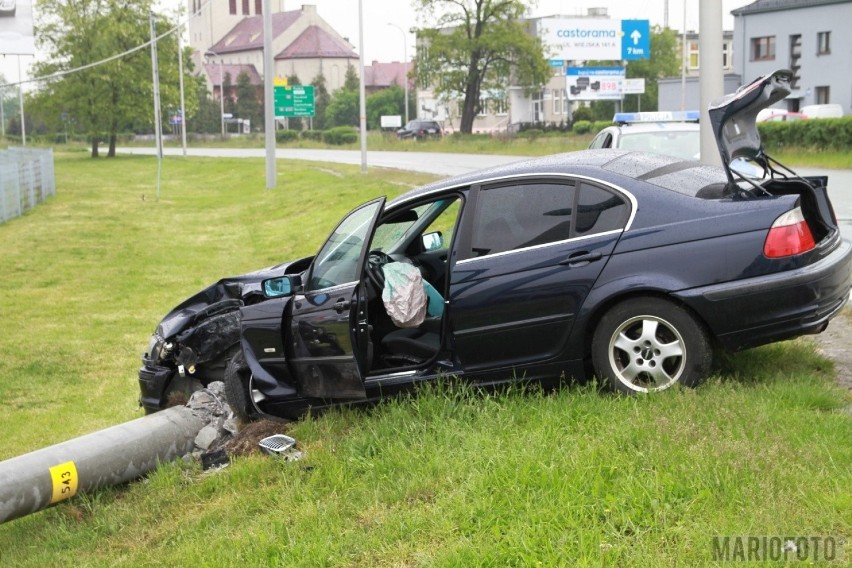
pixel 8 8
pixel 631 266
pixel 671 133
pixel 420 130
pixel 779 115
pixel 832 110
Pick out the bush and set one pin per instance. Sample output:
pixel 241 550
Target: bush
pixel 599 125
pixel 340 135
pixel 286 135
pixel 822 133
pixel 532 134
pixel 582 127
pixel 315 135
pixel 583 113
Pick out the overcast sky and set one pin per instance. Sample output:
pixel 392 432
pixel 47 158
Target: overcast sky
pixel 384 43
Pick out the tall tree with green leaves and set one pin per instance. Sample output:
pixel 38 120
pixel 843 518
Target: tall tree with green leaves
pixel 107 98
pixel 321 101
pixel 475 46
pixel 248 103
pixel 350 80
pixel 390 101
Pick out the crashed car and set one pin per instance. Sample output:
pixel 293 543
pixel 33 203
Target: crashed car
pixel 633 267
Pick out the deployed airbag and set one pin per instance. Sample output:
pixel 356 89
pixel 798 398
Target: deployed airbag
pixel 403 294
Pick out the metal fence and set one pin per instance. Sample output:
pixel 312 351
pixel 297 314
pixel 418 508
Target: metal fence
pixel 26 179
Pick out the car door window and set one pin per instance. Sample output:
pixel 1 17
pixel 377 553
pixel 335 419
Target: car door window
pixel 339 260
pixel 602 140
pixel 598 211
pixel 522 215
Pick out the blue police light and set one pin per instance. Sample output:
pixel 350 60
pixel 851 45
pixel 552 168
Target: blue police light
pixel 662 116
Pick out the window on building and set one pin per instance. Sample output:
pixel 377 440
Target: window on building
pixel 501 105
pixel 245 7
pixel 483 107
pixel 692 60
pixel 727 55
pixel 821 94
pixel 232 7
pixel 823 43
pixel 258 7
pixel 763 48
pixel 557 100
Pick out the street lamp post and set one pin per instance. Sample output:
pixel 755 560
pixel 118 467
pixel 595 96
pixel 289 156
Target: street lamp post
pixel 405 65
pixel 221 90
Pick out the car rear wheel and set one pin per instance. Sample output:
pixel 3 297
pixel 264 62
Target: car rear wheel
pixel 650 344
pixel 237 375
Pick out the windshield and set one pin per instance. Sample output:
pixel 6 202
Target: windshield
pixel 684 144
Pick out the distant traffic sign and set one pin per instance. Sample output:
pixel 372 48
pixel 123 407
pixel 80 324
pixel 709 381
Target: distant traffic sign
pixel 295 101
pixel 635 40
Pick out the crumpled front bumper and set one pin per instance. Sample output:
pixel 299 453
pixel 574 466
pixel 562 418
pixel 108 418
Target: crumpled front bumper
pixel 153 381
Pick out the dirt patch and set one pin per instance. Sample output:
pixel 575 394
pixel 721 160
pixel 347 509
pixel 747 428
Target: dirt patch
pixel 246 441
pixel 836 344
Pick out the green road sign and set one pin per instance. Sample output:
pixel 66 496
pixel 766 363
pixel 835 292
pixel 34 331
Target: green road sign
pixel 297 100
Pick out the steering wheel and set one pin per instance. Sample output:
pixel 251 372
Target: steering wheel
pixel 375 261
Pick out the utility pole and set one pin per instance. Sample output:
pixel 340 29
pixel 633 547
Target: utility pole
pixel 711 79
pixel 362 102
pixel 182 98
pixel 155 71
pixel 269 97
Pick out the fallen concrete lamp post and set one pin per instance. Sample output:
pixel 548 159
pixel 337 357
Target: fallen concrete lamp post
pixel 119 454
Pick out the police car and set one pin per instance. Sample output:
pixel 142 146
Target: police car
pixel 670 133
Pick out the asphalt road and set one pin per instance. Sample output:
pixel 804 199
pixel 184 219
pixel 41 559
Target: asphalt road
pixel 444 164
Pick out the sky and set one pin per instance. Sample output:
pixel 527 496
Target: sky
pixel 383 42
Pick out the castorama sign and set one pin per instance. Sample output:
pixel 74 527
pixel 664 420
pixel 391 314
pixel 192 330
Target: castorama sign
pixel 589 38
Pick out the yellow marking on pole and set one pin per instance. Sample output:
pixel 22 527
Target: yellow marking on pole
pixel 65 481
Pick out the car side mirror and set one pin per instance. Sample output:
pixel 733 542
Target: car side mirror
pixel 433 241
pixel 276 287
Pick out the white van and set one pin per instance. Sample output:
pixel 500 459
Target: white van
pixel 822 111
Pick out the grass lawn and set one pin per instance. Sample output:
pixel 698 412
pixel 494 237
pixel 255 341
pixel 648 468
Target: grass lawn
pixel 453 477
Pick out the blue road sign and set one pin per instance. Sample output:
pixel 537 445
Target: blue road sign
pixel 635 40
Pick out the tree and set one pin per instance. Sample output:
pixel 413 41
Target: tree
pixel 475 46
pixel 321 101
pixel 350 80
pixel 227 92
pixel 248 103
pixel 344 109
pixel 109 97
pixel 388 101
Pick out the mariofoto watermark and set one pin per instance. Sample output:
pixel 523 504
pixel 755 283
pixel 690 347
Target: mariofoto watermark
pixel 754 548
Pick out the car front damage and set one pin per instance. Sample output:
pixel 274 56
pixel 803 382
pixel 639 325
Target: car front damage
pixel 193 343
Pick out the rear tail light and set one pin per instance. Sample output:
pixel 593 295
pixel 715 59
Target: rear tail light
pixel 789 235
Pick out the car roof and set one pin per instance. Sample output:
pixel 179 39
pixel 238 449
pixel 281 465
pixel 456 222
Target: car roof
pixel 608 165
pixel 636 128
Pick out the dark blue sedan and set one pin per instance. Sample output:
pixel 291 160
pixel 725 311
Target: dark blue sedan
pixel 629 266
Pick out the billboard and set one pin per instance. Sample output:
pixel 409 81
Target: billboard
pixel 594 83
pixel 595 38
pixel 16 27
